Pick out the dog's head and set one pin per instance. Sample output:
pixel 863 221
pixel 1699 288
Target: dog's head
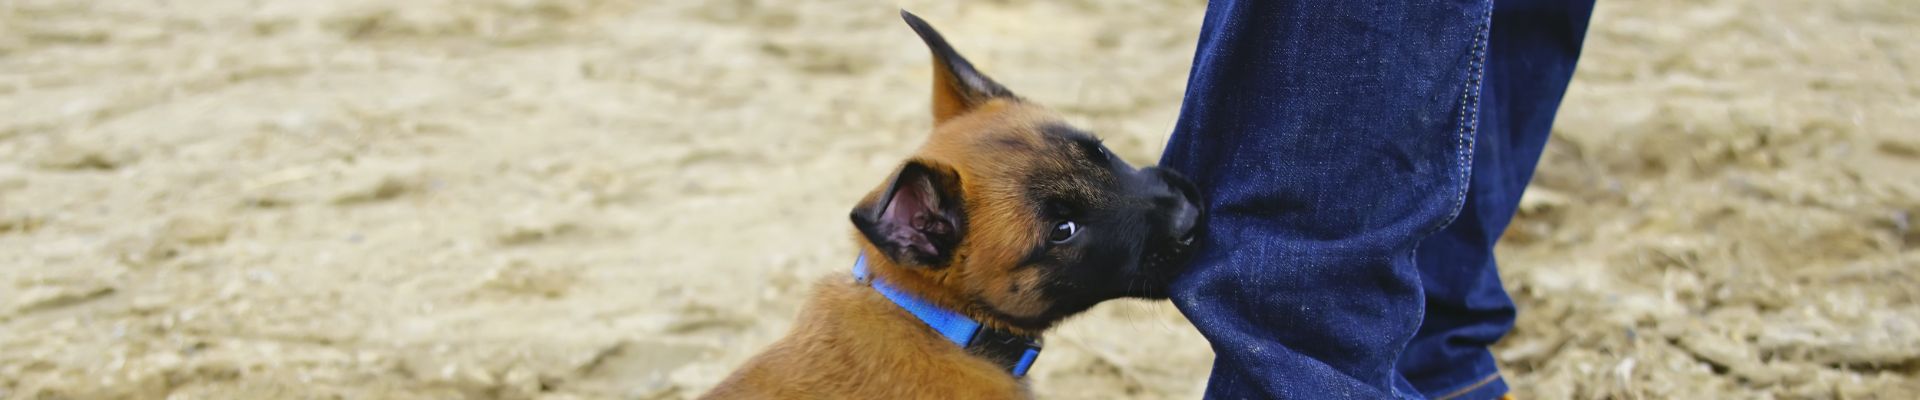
pixel 1017 218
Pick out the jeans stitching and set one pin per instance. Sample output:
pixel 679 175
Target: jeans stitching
pixel 1469 122
pixel 1483 382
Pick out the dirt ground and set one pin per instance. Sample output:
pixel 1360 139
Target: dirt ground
pixel 577 199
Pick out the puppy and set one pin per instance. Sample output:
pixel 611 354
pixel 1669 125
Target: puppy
pixel 1006 221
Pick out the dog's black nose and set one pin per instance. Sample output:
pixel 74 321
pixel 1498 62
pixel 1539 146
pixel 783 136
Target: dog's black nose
pixel 1185 212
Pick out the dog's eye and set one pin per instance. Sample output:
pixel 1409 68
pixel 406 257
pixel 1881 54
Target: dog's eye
pixel 1063 231
pixel 1095 151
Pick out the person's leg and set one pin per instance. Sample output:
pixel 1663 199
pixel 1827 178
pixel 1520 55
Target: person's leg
pixel 1531 52
pixel 1329 138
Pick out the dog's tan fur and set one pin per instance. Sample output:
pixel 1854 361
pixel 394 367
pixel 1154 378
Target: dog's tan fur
pixel 850 342
pixel 848 336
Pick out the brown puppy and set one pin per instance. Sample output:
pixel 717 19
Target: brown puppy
pixel 1005 222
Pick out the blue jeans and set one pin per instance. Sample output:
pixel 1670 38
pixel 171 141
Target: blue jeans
pixel 1360 161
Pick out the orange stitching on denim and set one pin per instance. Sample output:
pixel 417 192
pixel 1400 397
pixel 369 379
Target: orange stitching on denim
pixel 1470 388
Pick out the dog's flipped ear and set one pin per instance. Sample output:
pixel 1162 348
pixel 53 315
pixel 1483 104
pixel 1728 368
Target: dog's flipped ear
pixel 957 87
pixel 919 220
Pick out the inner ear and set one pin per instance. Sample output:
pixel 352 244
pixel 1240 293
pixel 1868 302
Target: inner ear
pixel 957 87
pixel 919 219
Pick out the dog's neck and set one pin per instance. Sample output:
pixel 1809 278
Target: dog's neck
pixel 1012 351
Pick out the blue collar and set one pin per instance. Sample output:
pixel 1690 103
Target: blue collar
pixel 1013 352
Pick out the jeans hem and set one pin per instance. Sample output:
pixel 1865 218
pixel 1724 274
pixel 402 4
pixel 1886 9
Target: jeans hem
pixel 1487 388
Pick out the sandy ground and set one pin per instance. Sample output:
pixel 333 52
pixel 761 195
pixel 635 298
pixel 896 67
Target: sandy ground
pixel 563 199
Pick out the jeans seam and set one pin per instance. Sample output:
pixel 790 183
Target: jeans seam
pixel 1469 126
pixel 1469 122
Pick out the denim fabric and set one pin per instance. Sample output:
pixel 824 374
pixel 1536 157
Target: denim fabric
pixel 1530 59
pixel 1331 139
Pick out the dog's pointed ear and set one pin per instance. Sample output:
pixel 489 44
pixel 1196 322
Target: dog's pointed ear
pixel 957 87
pixel 919 219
